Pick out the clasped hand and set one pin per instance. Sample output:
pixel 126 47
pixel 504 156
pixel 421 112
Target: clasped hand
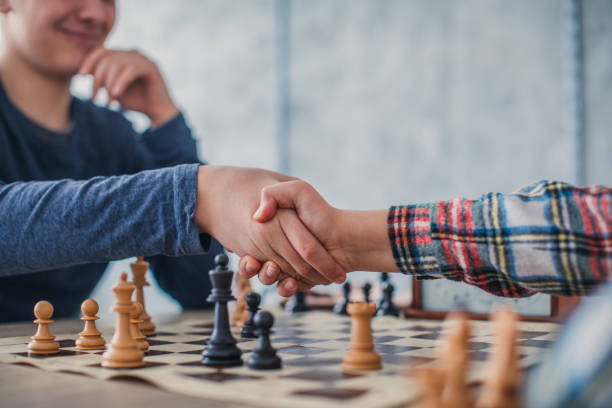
pixel 356 240
pixel 285 232
pixel 227 199
pixel 321 219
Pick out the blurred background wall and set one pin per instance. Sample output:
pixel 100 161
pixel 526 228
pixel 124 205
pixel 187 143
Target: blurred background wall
pixel 380 102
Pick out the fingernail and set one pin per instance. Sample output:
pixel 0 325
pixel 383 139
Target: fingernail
pixel 289 285
pixel 340 279
pixel 272 271
pixel 250 267
pixel 257 213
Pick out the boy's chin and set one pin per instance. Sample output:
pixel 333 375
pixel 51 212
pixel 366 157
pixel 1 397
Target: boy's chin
pixel 63 71
pixel 68 65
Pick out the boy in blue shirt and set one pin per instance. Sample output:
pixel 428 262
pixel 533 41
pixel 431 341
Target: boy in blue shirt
pixel 78 187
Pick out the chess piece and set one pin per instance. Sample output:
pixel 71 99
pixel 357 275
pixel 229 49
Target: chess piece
pixel 502 382
pixel 454 361
pixel 90 338
pixel 135 331
pixel 264 356
pixel 123 351
pixel 384 278
pixel 366 288
pixel 299 303
pixel 361 355
pixel 248 329
pixel 386 306
pixel 241 314
pixel 139 269
pixel 221 349
pixel 43 342
pixel 431 381
pixel 340 307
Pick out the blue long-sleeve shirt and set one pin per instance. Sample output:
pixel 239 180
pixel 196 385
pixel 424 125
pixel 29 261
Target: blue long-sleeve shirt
pixel 70 202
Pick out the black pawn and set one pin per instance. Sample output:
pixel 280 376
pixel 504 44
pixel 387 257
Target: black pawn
pixel 299 303
pixel 384 278
pixel 221 349
pixel 387 308
pixel 340 307
pixel 248 330
pixel 367 287
pixel 264 356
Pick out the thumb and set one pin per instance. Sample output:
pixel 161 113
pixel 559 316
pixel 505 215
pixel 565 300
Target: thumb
pixel 267 207
pixel 288 194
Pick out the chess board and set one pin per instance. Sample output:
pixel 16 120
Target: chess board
pixel 311 346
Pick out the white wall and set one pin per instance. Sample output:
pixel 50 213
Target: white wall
pixel 392 102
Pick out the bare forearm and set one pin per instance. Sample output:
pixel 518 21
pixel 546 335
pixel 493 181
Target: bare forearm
pixel 364 238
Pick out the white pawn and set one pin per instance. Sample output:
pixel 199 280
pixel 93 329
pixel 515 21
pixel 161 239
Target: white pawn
pixel 43 342
pixel 455 362
pixel 90 338
pixel 139 269
pixel 135 320
pixel 503 379
pixel 123 351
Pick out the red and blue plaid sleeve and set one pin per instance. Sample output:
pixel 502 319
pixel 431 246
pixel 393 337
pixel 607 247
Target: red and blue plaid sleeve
pixel 548 237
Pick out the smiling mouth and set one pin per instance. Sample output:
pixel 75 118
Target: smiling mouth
pixel 81 38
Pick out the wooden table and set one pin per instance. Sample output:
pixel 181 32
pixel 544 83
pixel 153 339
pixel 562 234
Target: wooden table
pixel 22 386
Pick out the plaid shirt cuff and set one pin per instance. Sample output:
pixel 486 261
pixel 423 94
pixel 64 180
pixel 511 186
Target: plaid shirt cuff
pixel 409 231
pixel 421 249
pixel 547 237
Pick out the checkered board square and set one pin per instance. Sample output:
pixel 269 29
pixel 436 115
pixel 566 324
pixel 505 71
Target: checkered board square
pixel 311 346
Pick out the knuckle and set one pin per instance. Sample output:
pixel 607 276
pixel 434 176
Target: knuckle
pixel 128 72
pixel 308 251
pixel 301 184
pixel 305 271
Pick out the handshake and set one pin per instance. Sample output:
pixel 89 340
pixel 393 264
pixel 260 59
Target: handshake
pixel 285 232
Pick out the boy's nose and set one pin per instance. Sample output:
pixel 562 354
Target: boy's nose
pixel 95 11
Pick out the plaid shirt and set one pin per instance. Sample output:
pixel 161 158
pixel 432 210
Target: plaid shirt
pixel 547 237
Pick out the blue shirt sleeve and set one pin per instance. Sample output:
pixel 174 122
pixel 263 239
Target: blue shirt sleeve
pixel 52 224
pixel 171 144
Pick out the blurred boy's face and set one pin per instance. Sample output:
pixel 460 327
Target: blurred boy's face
pixel 54 36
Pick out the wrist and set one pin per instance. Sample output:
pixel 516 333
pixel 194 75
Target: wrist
pixel 163 114
pixel 202 214
pixel 365 241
